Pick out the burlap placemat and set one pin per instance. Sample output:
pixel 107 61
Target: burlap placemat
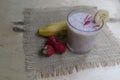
pixel 105 53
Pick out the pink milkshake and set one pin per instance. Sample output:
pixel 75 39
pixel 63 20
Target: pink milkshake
pixel 81 32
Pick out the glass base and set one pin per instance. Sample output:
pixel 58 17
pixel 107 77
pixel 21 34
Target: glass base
pixel 72 50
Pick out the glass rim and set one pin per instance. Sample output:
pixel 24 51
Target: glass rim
pixel 79 29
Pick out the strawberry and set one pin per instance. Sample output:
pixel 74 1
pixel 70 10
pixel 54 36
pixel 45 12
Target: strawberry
pixel 61 37
pixel 51 40
pixel 87 22
pixel 48 50
pixel 60 47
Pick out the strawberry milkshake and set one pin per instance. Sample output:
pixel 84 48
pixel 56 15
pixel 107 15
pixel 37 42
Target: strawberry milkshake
pixel 82 31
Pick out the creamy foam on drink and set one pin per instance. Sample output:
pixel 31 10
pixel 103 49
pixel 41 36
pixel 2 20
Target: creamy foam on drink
pixel 83 21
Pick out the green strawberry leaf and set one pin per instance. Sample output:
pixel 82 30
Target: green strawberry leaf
pixel 44 51
pixel 59 35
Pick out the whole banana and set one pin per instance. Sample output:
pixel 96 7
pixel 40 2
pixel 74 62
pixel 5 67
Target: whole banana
pixel 53 29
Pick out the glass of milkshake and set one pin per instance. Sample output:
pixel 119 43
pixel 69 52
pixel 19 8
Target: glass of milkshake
pixel 82 31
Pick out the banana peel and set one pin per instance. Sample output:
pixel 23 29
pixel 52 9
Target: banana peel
pixel 53 29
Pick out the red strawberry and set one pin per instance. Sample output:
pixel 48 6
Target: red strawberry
pixel 60 47
pixel 48 50
pixel 87 22
pixel 51 40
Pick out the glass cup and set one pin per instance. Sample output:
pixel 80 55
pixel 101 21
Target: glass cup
pixel 80 41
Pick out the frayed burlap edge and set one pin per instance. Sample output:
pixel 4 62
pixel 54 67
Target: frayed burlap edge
pixel 71 69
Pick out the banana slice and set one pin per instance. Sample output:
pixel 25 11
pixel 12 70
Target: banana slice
pixel 101 15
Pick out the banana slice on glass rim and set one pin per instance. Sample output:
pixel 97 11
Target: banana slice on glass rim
pixel 101 15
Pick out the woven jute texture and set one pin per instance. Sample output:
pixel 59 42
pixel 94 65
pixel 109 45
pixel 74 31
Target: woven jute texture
pixel 106 51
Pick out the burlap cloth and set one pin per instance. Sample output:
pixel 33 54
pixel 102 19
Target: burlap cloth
pixel 106 52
